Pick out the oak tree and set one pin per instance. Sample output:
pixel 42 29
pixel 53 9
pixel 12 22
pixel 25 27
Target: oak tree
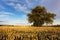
pixel 39 16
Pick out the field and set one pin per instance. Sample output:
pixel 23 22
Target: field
pixel 29 33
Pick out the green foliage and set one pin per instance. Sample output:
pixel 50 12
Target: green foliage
pixel 39 16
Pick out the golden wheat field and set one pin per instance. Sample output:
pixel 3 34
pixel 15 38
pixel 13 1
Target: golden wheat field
pixel 29 28
pixel 29 33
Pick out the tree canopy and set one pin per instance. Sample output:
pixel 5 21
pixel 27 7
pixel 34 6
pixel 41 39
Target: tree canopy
pixel 39 16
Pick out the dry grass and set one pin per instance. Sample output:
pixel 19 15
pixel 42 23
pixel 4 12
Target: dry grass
pixel 29 28
pixel 11 32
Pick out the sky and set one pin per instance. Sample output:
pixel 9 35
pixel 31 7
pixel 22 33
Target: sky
pixel 14 12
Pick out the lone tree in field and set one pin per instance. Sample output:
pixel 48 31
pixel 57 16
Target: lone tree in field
pixel 39 16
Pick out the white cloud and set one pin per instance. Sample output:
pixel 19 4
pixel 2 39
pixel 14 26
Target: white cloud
pixel 27 1
pixel 18 22
pixel 6 20
pixel 14 22
pixel 23 8
pixel 5 16
pixel 57 21
pixel 11 4
pixel 16 5
pixel 3 13
pixel 10 0
pixel 33 3
pixel 19 7
pixel 3 23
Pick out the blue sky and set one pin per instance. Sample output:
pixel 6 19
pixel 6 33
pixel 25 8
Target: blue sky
pixel 13 12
